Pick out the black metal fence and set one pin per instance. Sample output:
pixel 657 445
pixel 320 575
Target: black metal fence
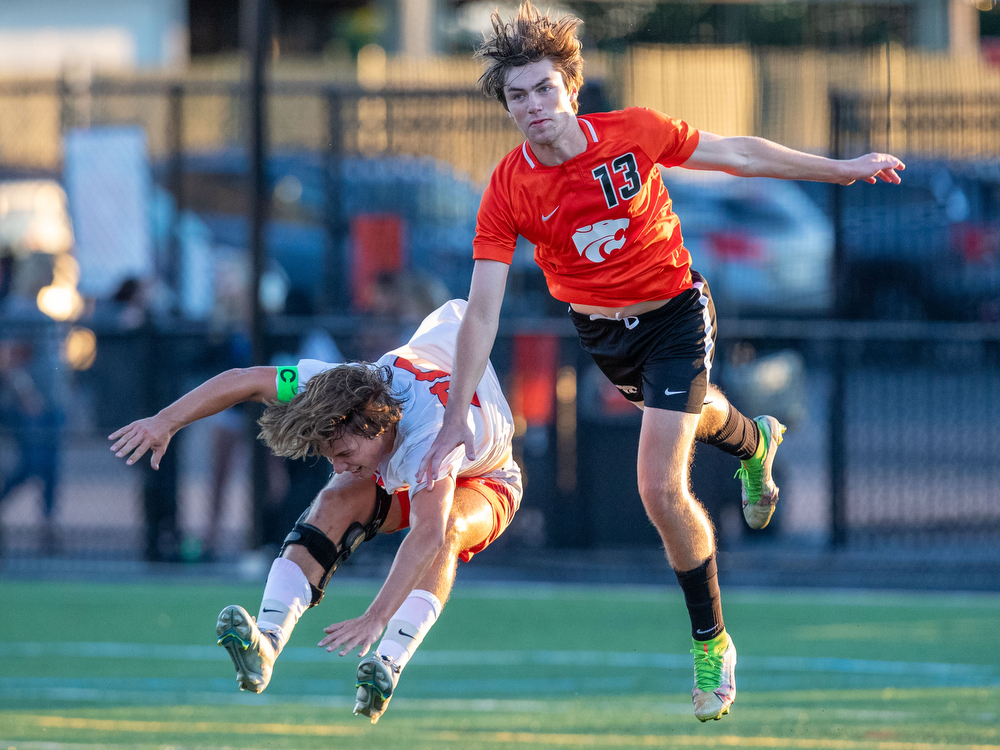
pixel 892 416
pixel 891 441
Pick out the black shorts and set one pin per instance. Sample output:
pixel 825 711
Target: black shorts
pixel 661 358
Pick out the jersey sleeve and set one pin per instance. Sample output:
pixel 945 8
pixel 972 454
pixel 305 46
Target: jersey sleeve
pixel 666 140
pixel 496 231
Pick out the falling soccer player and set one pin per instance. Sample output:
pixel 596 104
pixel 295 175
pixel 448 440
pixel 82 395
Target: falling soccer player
pixel 587 192
pixel 374 423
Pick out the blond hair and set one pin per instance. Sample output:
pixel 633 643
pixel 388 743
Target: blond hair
pixel 355 399
pixel 529 37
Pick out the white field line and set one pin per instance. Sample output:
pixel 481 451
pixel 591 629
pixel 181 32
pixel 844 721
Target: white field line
pixel 463 738
pixel 515 658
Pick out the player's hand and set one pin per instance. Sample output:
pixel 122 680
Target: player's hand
pixel 449 437
pixel 360 632
pixel 871 168
pixel 150 434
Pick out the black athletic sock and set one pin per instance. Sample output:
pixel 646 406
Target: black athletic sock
pixel 703 599
pixel 738 437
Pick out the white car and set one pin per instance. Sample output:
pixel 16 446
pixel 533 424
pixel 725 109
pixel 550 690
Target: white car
pixel 763 245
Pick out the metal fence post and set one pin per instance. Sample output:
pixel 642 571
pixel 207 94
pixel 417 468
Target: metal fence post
pixel 175 183
pixel 159 487
pixel 259 48
pixel 836 436
pixel 333 297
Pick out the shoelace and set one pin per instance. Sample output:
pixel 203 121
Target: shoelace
pixel 707 669
pixel 391 664
pixel 752 480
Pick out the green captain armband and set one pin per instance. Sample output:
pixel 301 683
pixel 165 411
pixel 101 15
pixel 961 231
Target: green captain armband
pixel 288 383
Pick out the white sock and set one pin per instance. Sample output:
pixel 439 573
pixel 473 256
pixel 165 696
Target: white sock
pixel 287 595
pixel 408 626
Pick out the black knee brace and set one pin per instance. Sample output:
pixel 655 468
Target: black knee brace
pixel 328 553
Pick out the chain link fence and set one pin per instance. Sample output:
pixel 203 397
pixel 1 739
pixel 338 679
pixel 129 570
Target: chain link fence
pixel 372 208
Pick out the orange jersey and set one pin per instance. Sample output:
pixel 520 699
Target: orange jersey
pixel 602 223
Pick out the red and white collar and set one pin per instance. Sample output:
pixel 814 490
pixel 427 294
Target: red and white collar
pixel 588 131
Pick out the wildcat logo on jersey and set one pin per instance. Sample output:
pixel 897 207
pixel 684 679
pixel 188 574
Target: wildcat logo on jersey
pixel 597 241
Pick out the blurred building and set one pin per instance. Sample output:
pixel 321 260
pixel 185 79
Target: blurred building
pixel 66 35
pixel 50 36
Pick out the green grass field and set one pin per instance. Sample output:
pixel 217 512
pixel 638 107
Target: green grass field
pixel 136 666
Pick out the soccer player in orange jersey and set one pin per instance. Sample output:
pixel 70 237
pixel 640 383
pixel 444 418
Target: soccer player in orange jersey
pixel 587 193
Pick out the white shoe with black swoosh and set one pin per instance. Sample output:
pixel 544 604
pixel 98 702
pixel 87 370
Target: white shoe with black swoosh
pixel 251 649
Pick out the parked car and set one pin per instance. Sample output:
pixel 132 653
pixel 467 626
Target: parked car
pixel 928 248
pixel 435 205
pixel 763 245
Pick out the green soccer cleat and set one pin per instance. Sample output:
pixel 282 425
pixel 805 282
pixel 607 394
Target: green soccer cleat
pixel 252 650
pixel 760 493
pixel 377 678
pixel 714 677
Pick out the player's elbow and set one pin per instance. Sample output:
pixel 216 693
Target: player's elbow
pixel 745 157
pixel 483 318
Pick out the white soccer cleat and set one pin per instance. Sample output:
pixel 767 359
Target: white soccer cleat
pixel 760 493
pixel 377 678
pixel 251 649
pixel 714 677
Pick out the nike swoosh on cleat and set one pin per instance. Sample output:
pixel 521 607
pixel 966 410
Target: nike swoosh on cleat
pixel 669 392
pixel 546 218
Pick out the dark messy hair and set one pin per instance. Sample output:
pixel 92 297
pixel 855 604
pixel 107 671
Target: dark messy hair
pixel 529 37
pixel 355 399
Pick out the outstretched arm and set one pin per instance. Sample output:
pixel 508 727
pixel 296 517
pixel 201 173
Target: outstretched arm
pixel 217 394
pixel 756 157
pixel 475 342
pixel 429 513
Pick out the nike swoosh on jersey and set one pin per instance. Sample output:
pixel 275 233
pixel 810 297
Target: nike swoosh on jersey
pixel 669 392
pixel 546 218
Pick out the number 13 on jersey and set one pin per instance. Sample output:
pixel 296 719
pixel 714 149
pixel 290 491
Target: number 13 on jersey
pixel 633 182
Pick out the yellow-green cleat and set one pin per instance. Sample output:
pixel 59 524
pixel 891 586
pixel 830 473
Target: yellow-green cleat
pixel 377 678
pixel 714 677
pixel 760 493
pixel 251 649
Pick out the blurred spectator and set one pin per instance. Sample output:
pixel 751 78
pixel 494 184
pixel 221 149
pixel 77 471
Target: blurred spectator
pixel 229 435
pixel 130 302
pixel 400 300
pixel 315 343
pixel 230 320
pixel 126 309
pixel 294 484
pixel 32 384
pixel 6 270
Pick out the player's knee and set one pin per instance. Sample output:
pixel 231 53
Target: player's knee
pixel 346 504
pixel 662 497
pixel 328 553
pixel 453 533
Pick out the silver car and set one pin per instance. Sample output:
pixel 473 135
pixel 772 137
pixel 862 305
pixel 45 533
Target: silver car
pixel 763 244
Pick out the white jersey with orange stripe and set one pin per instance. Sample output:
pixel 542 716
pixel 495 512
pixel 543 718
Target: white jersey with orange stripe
pixel 421 374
